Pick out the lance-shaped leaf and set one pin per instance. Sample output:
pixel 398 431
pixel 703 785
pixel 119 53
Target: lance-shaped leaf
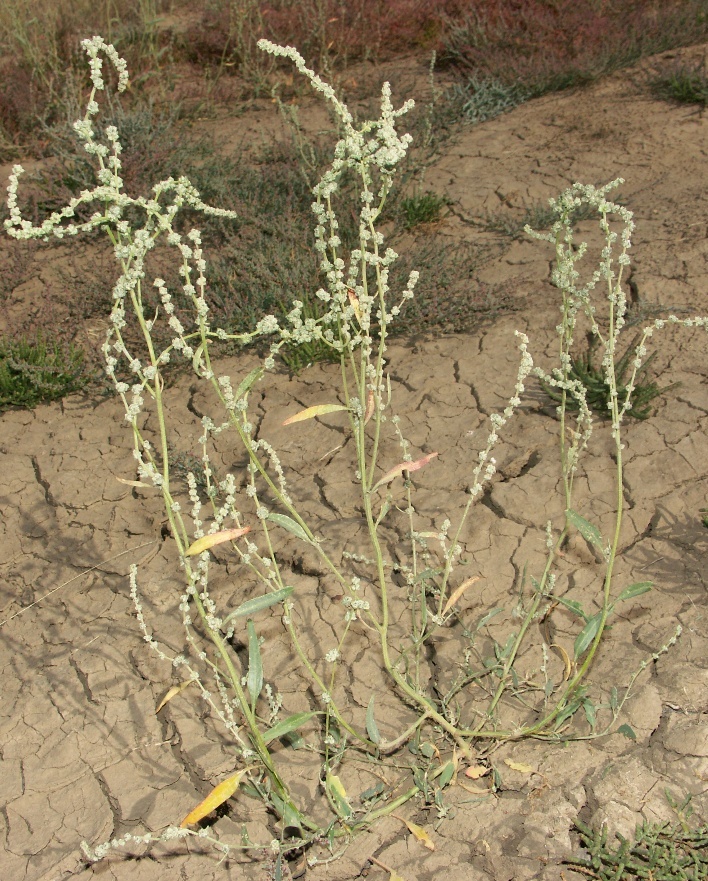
pixel 311 412
pixel 456 594
pixel 354 300
pixel 397 470
pixel 257 604
pixel 216 797
pixel 248 382
pixel 371 727
pixel 254 680
pixel 292 723
pixel 587 635
pixel 216 538
pixel 369 406
pixel 588 530
pixel 635 590
pixel 173 692
pixel 339 795
pixel 418 832
pixel 289 525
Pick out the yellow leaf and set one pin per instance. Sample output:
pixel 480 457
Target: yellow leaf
pixel 456 594
pixel 134 483
pixel 394 876
pixel 216 538
pixel 476 771
pixel 475 790
pixel 519 766
pixel 311 412
pixel 173 692
pixel 417 831
pixel 216 797
pixel 354 300
pixel 566 660
pixel 401 467
pixel 369 407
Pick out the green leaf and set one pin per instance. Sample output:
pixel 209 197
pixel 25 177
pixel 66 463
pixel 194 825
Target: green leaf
pixel 635 590
pixel 247 384
pixel 590 714
pixel 254 680
pixel 297 720
pixel 589 532
pixel 371 727
pixel 446 775
pixel 614 699
pixel 587 634
pixel 485 619
pixel 372 792
pixel 289 525
pixel 628 732
pixel 257 604
pixel 574 607
pixel 338 795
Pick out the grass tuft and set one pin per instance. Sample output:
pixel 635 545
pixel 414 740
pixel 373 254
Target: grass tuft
pixel 35 370
pixel 685 83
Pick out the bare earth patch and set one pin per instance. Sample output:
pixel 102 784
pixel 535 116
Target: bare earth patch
pixel 85 757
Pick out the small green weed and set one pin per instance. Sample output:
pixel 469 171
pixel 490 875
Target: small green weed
pixel 597 389
pixel 687 83
pixel 421 208
pixel 481 99
pixel 658 851
pixel 538 215
pixel 34 371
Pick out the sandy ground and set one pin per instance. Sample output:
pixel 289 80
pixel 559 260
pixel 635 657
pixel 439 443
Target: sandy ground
pixel 84 755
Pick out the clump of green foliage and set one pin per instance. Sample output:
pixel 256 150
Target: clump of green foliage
pixel 421 208
pixel 36 370
pixel 598 392
pixel 658 851
pixel 686 83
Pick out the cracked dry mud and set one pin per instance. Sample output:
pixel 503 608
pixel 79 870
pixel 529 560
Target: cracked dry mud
pixel 84 755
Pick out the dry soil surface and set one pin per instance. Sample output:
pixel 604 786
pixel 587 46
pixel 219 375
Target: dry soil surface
pixel 84 755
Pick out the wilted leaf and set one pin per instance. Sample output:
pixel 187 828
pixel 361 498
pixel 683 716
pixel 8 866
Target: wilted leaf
pixel 297 720
pixel 289 525
pixel 339 794
pixel 173 692
pixel 216 538
pixel 216 797
pixel 369 407
pixel 519 766
pixel 311 412
pixel 417 831
pixel 456 594
pixel 476 771
pixel 134 483
pixel 397 470
pixel 588 531
pixel 257 604
pixel 371 727
pixel 354 300
pixel 568 664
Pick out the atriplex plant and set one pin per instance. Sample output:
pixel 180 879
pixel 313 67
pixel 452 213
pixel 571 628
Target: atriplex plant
pixel 505 692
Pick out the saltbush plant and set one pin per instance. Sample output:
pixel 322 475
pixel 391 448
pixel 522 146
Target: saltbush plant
pixel 499 687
